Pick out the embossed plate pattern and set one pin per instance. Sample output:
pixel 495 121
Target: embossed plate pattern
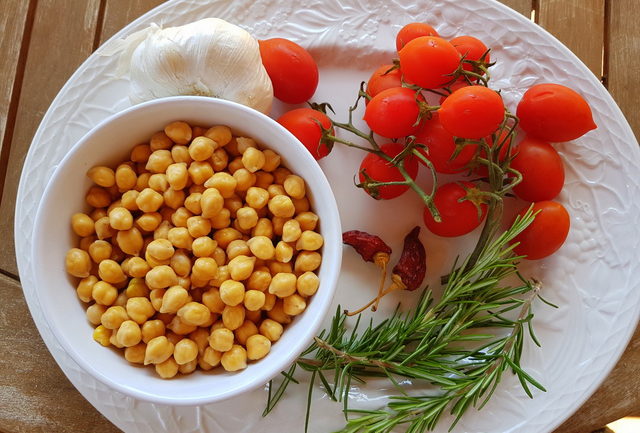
pixel 594 278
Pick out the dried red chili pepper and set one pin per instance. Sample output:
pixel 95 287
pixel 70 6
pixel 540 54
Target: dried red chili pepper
pixel 372 249
pixel 410 270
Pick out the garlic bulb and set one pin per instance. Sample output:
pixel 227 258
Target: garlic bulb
pixel 210 57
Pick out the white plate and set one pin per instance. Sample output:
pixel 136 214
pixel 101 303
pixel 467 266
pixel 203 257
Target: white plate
pixel 594 278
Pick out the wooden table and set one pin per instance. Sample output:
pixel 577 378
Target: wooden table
pixel 44 41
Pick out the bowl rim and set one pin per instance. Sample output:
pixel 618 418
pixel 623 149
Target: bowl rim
pixel 332 256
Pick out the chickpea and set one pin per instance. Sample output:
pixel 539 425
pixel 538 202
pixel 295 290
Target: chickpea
pixel 172 336
pixel 277 313
pixel 160 140
pixel 237 248
pixel 192 203
pixel 96 214
pixel 263 179
pixel 143 181
pixel 140 153
pixel 139 309
pixel 161 277
pixel 202 148
pixel 200 171
pixel 261 247
pixel 245 143
pixel 309 241
pixel 269 301
pixel 155 296
pixel 102 176
pixel 271 329
pixel 280 174
pixel 204 268
pixel 135 354
pixel 173 299
pixel 235 359
pixel 161 249
pixel 241 267
pixel 284 252
pixel 113 317
pixel 307 261
pixel 291 231
pixel 94 313
pixel 281 206
pixel 233 317
pixel 307 220
pixel 293 305
pixel 254 316
pixel 220 134
pixel 129 333
pixel 180 153
pixel 275 190
pixel 219 256
pixel 159 161
pixel 244 178
pixel 184 282
pixel 277 267
pixel 198 226
pixel 102 335
pixel 82 224
pixel 180 217
pixel 138 267
pixel 253 159
pixel 283 285
pixel 98 197
pixel 258 346
pixel 211 203
pixel 104 293
pixel 188 367
pixel 162 232
pixel 233 203
pixel 121 300
pixel 224 183
pixel 194 313
pixel 221 276
pixel 257 198
pixel 221 220
pixel 254 300
pixel 149 200
pixel 221 339
pixel 203 246
pixel 104 229
pixel 245 331
pixel 111 272
pixel 78 263
pixel 271 160
pixel 185 351
pixel 167 369
pixel 130 241
pixel 219 160
pixel 224 236
pixel 179 132
pixel 173 198
pixel 137 288
pixel 126 177
pixel 201 337
pixel 152 329
pixel 180 237
pixel 100 250
pixel 128 200
pixel 210 358
pixel 260 279
pixel 149 221
pixel 232 292
pixel 180 327
pixel 294 186
pixel 247 218
pixel 264 227
pixel 213 300
pixel 301 204
pixel 113 340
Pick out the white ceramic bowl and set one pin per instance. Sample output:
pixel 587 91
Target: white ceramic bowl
pixel 109 143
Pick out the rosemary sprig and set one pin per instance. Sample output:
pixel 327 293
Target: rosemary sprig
pixel 455 343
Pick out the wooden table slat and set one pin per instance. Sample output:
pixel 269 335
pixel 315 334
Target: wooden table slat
pixel 118 15
pixel 522 6
pixel 623 61
pixel 55 52
pixel 579 24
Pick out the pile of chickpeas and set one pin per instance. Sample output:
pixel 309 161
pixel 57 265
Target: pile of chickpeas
pixel 196 252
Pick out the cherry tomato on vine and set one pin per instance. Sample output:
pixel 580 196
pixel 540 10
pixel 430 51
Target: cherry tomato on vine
pixel 301 122
pixel 554 113
pixel 472 112
pixel 379 170
pixel 412 31
pixel 461 208
pixel 429 61
pixel 383 78
pixel 502 141
pixel 393 113
pixel 440 147
pixel 453 87
pixel 472 49
pixel 546 234
pixel 293 72
pixel 541 168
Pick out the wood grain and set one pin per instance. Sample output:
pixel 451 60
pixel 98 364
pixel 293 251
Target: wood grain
pixel 522 6
pixel 55 51
pixel 14 17
pixel 118 14
pixel 36 395
pixel 623 59
pixel 579 24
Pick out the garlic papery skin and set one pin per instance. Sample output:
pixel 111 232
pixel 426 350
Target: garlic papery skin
pixel 210 57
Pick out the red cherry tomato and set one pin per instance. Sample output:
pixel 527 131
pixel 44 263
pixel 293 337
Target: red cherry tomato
pixel 472 112
pixel 541 168
pixel 380 170
pixel 441 147
pixel 428 61
pixel 456 203
pixel 393 113
pixel 546 234
pixel 412 31
pixel 293 72
pixel 455 86
pixel 301 122
pixel 472 49
pixel 554 113
pixel 383 78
